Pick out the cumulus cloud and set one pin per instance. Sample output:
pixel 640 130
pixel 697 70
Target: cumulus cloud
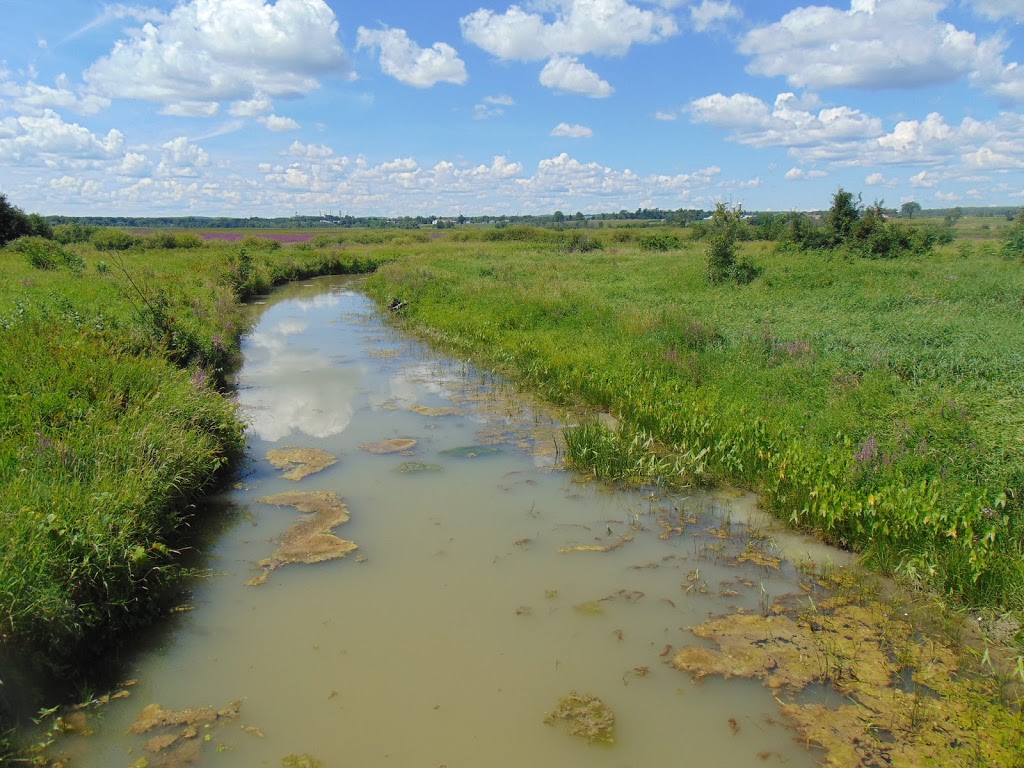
pixel 999 9
pixel 875 44
pixel 492 106
pixel 573 131
pixel 408 63
pixel 572 27
pixel 224 50
pixel 568 75
pixel 180 157
pixel 259 104
pixel 34 99
pixel 786 124
pixel 279 124
pixel 713 12
pixel 48 140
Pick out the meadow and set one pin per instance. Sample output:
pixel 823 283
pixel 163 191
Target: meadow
pixel 872 401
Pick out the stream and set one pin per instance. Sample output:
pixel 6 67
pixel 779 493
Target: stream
pixel 487 584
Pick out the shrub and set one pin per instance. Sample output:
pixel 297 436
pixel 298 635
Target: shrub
pixel 188 240
pixel 45 254
pixel 160 240
pixel 261 244
pixel 659 241
pixel 66 234
pixel 580 241
pixel 112 239
pixel 1014 246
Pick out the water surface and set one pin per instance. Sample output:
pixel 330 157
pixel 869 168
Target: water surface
pixel 461 620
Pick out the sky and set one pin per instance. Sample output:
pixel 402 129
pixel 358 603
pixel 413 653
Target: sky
pixel 480 107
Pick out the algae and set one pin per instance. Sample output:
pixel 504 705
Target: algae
pixel 178 743
pixel 472 451
pixel 415 467
pixel 310 540
pixel 402 445
pixel 426 410
pixel 623 539
pixel 907 699
pixel 300 462
pixel 586 716
pixel 301 761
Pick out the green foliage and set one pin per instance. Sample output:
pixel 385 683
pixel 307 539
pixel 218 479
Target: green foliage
pixel 45 254
pixel 66 234
pixel 261 244
pixel 908 209
pixel 723 265
pixel 1014 245
pixel 842 217
pixel 659 241
pixel 13 222
pixel 581 241
pixel 111 239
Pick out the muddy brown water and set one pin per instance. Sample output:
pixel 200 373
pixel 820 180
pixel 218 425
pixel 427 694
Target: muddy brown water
pixel 488 582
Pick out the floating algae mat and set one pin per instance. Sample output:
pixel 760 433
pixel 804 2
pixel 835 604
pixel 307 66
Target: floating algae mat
pixel 310 540
pixel 403 445
pixel 300 462
pixel 460 623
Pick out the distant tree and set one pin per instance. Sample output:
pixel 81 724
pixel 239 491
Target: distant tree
pixel 559 217
pixel 954 216
pixel 13 222
pixel 578 216
pixel 1014 246
pixel 909 208
pixel 843 216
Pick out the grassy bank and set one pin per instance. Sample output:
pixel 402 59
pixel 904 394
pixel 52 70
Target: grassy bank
pixel 873 401
pixel 114 421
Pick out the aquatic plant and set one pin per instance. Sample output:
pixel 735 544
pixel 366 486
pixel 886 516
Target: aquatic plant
pixel 585 715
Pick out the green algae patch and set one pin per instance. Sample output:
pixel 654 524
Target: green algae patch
pixel 310 540
pixel 472 451
pixel 178 736
pixel 435 411
pixel 907 699
pixel 417 467
pixel 300 462
pixel 301 761
pixel 585 715
pixel 402 445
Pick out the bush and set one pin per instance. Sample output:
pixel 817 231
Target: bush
pixel 264 244
pixel 659 241
pixel 112 239
pixel 188 240
pixel 580 241
pixel 1014 246
pixel 160 240
pixel 45 254
pixel 66 234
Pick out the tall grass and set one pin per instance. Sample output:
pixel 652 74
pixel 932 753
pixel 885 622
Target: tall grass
pixel 115 420
pixel 872 401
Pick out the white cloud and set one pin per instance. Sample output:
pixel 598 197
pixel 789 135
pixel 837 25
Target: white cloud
pixel 405 61
pixel 712 12
pixel 999 9
pixel 309 151
pixel 786 124
pixel 492 106
pixel 875 44
pixel 48 140
pixel 567 74
pixel 572 131
pixel 923 179
pixel 577 27
pixel 278 124
pixel 191 109
pixel 259 104
pixel 181 158
pixel 218 50
pixel 666 117
pixel 34 99
pixel 134 164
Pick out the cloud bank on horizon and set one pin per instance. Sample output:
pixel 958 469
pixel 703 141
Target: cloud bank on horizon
pixel 267 108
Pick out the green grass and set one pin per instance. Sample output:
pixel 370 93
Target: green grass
pixel 114 422
pixel 876 402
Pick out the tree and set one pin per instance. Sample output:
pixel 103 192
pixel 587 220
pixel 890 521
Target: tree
pixel 724 228
pixel 13 222
pixel 954 216
pixel 843 216
pixel 909 208
pixel 559 217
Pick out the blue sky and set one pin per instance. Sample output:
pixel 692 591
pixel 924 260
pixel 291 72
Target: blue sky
pixel 253 108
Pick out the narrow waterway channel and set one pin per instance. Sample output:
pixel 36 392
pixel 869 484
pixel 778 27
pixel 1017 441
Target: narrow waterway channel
pixel 487 584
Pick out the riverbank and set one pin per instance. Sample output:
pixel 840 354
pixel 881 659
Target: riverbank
pixel 872 401
pixel 115 421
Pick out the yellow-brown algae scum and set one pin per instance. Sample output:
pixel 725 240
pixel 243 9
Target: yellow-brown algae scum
pixel 402 445
pixel 585 715
pixel 907 699
pixel 310 540
pixel 426 410
pixel 180 730
pixel 300 462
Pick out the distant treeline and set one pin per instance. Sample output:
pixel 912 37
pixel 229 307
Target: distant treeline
pixel 639 217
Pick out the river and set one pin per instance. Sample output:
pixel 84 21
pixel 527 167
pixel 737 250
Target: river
pixel 488 583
